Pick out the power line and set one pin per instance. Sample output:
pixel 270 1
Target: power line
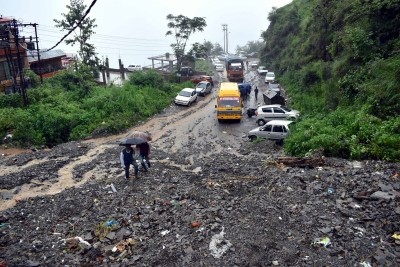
pixel 76 26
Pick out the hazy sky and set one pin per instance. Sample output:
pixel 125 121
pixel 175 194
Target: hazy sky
pixel 135 30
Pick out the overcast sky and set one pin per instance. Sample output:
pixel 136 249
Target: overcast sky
pixel 135 30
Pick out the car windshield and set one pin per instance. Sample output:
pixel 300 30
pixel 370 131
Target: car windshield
pixel 285 108
pixel 201 85
pixel 270 75
pixel 229 102
pixel 185 93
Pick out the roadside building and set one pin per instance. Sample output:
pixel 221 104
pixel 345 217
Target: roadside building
pixel 10 51
pixel 49 64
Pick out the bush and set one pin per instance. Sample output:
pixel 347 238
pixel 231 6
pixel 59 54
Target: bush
pixel 348 134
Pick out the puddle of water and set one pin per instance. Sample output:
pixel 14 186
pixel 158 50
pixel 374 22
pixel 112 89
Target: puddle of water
pixel 65 180
pixel 6 170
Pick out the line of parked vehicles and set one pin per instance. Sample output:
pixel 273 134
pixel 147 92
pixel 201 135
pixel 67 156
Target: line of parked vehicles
pixel 273 120
pixel 188 96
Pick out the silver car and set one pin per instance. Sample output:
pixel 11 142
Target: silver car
pixel 275 112
pixel 203 88
pixel 274 130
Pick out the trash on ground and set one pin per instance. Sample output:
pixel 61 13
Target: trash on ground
pixel 325 241
pixel 165 232
pixel 195 224
pixel 396 236
pixel 218 245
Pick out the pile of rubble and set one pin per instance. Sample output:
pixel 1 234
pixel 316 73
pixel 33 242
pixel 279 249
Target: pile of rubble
pixel 228 210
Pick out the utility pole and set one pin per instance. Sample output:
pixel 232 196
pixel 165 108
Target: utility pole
pixel 20 64
pixel 225 29
pixel 37 50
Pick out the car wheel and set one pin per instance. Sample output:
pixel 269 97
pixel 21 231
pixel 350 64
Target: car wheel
pixel 279 142
pixel 252 138
pixel 261 122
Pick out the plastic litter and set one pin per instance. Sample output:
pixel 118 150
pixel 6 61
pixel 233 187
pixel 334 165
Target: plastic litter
pixel 113 188
pixel 163 233
pixel 111 223
pixel 325 241
pixel 218 245
pixel 396 236
pixel 330 190
pixel 80 239
pixel 365 264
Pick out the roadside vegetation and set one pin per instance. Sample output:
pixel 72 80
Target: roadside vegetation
pixel 71 106
pixel 340 63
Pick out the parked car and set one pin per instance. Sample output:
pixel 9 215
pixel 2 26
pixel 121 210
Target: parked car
pixel 186 71
pixel 254 65
pixel 203 88
pixel 222 57
pixel 134 67
pixel 219 67
pixel 201 78
pixel 274 130
pixel 186 97
pixel 262 70
pixel 275 112
pixel 270 77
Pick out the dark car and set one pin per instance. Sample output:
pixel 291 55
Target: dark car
pixel 186 71
pixel 201 78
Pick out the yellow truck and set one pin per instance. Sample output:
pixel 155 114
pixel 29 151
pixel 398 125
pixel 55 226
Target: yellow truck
pixel 229 103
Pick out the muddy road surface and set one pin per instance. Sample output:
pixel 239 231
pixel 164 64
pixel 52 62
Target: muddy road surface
pixel 210 198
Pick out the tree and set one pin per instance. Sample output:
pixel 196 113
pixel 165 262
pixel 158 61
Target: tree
pixel 208 46
pixel 182 28
pixel 198 51
pixel 86 51
pixel 217 49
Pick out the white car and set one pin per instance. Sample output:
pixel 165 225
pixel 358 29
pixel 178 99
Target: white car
pixel 134 67
pixel 186 97
pixel 262 70
pixel 274 130
pixel 219 67
pixel 270 77
pixel 275 112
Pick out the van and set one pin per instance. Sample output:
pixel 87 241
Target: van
pixel 229 103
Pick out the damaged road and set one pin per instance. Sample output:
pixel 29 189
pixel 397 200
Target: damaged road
pixel 211 198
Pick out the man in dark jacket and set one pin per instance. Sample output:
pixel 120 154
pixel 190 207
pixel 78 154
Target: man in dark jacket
pixel 144 151
pixel 127 159
pixel 256 93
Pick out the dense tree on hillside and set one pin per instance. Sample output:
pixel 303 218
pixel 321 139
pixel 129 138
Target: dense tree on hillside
pixel 181 28
pixel 198 50
pixel 76 10
pixel 339 61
